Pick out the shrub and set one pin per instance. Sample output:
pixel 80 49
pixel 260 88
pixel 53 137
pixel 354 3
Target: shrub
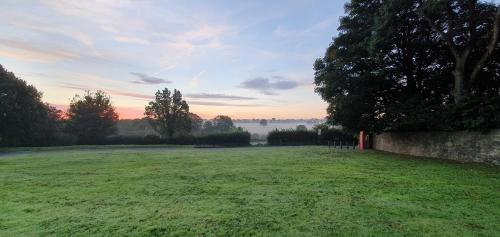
pixel 184 139
pixel 216 139
pixel 133 140
pixel 225 139
pixel 336 135
pixel 296 137
pixel 292 137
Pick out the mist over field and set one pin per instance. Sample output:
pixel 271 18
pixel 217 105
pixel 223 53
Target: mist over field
pixel 137 127
pixel 256 127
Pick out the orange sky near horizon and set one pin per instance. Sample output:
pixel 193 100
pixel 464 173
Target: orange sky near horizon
pixel 224 59
pixel 206 112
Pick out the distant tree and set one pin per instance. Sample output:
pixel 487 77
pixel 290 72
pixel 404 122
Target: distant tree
pixel 24 119
pixel 196 123
pixel 208 127
pixel 91 117
pixel 322 126
pixel 301 127
pixel 223 123
pixel 169 113
pixel 220 124
pixel 263 122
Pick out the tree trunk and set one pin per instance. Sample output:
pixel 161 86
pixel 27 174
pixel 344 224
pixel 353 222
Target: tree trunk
pixel 459 74
pixel 458 92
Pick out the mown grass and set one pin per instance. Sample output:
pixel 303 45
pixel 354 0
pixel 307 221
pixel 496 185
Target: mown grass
pixel 265 191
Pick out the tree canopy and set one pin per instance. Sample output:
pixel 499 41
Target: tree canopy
pixel 413 65
pixel 91 117
pixel 196 123
pixel 169 113
pixel 24 119
pixel 219 124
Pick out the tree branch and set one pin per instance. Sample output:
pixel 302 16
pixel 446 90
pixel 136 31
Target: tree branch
pixel 491 45
pixel 445 37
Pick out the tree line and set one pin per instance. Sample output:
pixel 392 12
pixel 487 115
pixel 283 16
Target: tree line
pixel 25 120
pixel 413 65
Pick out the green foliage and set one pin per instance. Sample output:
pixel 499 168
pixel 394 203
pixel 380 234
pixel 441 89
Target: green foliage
pixel 219 124
pixel 169 113
pixel 24 119
pixel 91 117
pixel 388 70
pixel 301 127
pixel 135 127
pixel 265 191
pixel 292 137
pixel 196 123
pixel 321 126
pixel 237 138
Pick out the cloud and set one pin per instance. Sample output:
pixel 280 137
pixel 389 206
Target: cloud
pixel 151 97
pixel 195 81
pixel 146 79
pixel 218 96
pixel 204 36
pixel 133 40
pixel 109 91
pixel 74 86
pixel 267 86
pixel 283 32
pixel 28 52
pixel 211 103
pixel 131 94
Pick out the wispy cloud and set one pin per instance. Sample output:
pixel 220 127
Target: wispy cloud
pixel 109 91
pixel 211 103
pixel 74 86
pixel 195 81
pixel 218 96
pixel 28 52
pixel 267 86
pixel 147 79
pixel 283 32
pixel 109 14
pixel 132 40
pixel 131 94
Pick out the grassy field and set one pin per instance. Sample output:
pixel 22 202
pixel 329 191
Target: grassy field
pixel 265 191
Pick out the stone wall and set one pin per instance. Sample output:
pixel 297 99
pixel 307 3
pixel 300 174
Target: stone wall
pixel 463 146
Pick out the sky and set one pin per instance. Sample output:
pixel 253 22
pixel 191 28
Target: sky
pixel 245 59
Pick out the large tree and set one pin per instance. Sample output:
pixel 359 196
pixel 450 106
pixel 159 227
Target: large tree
pixel 169 113
pixel 91 117
pixel 343 77
pixel 24 119
pixel 391 68
pixel 470 31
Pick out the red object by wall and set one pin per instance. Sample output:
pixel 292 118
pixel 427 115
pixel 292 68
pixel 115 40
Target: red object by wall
pixel 362 139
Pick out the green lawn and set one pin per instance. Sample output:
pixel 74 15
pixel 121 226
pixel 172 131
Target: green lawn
pixel 264 191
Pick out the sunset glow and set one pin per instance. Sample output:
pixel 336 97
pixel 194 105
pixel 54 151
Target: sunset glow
pixel 245 59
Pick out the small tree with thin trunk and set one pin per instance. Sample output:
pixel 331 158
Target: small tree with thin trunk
pixel 168 113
